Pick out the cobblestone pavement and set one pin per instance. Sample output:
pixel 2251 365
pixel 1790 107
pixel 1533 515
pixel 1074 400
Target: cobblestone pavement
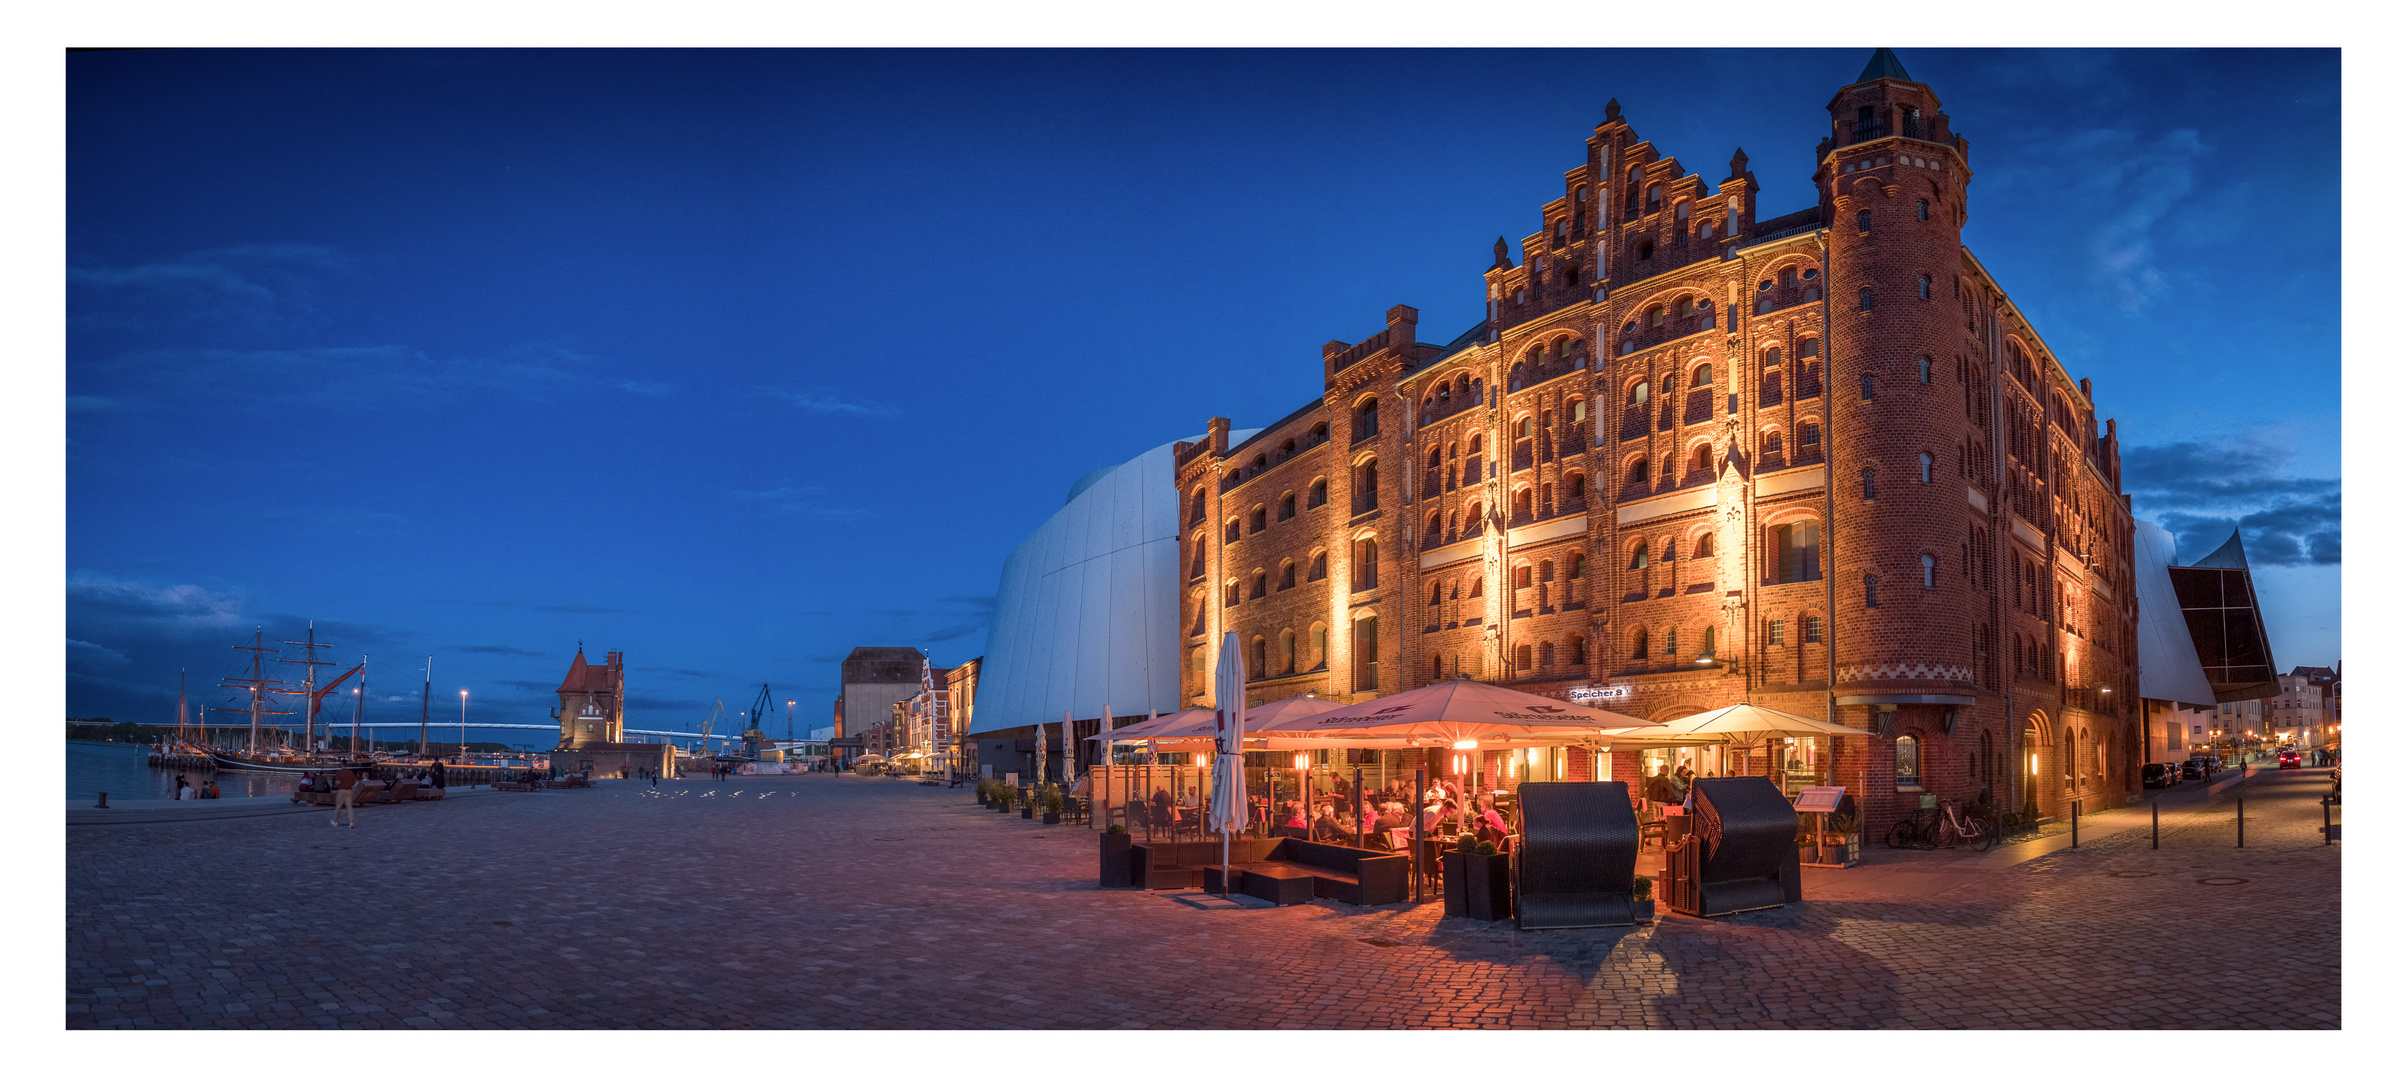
pixel 845 902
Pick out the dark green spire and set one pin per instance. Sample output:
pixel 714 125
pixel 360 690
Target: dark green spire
pixel 1883 65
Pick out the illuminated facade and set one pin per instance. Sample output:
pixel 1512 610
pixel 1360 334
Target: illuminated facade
pixel 1818 462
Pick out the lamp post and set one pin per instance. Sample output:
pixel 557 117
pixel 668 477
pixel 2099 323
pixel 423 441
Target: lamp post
pixel 462 725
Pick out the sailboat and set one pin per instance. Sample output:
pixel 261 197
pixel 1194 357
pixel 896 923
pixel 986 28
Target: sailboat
pixel 278 756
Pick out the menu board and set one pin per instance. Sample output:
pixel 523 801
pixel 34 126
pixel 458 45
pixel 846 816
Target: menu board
pixel 1818 800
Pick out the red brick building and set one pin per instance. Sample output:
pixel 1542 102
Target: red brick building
pixel 1819 462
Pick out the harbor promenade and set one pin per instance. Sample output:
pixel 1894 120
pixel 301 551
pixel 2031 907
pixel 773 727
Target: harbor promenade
pixel 854 902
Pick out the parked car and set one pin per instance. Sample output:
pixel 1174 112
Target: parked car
pixel 2160 774
pixel 2209 766
pixel 2289 759
pixel 2194 770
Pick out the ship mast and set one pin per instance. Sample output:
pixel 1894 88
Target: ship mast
pixel 359 715
pixel 308 686
pixel 258 684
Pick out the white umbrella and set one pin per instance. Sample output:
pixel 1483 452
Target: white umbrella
pixel 1227 807
pixel 1041 753
pixel 1189 724
pixel 1455 711
pixel 1743 725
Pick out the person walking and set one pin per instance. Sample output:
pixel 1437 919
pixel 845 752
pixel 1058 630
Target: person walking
pixel 345 795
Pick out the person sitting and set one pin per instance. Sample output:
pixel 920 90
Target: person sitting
pixel 212 790
pixel 1490 826
pixel 1322 827
pixel 1162 807
pixel 1294 818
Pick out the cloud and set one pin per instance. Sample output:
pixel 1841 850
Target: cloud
pixel 826 400
pixel 647 389
pixel 504 650
pixel 90 653
pixel 2144 179
pixel 558 607
pixel 2208 490
pixel 179 605
pixel 689 673
pixel 800 502
pixel 258 287
pixel 536 686
pixel 257 378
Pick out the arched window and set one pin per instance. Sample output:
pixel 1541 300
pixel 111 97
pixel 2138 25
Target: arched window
pixel 1433 528
pixel 1573 349
pixel 1668 646
pixel 1808 348
pixel 1656 317
pixel 1233 530
pixel 1258 658
pixel 1642 556
pixel 1641 394
pixel 1686 308
pixel 1364 423
pixel 1668 554
pixel 1925 287
pixel 1866 221
pixel 1525 426
pixel 1869 590
pixel 1925 468
pixel 1364 648
pixel 1200 507
pixel 1575 651
pixel 1285 575
pixel 1517 376
pixel 1317 644
pixel 1683 210
pixel 1639 472
pixel 1867 484
pixel 1867 299
pixel 1258 584
pixel 1287 507
pixel 1702 463
pixel 1705 547
pixel 1525 659
pixel 1233 593
pixel 1709 641
pixel 1796 551
pixel 1651 197
pixel 1475 392
pixel 1318 434
pixel 1625 339
pixel 1574 487
pixel 1475 446
pixel 1771 445
pixel 1317 494
pixel 1925 370
pixel 1288 644
pixel 1904 761
pixel 1363 564
pixel 1200 556
pixel 1703 376
pixel 1639 646
pixel 1200 614
pixel 1575 567
pixel 1363 486
pixel 1258 520
pixel 1475 587
pixel 1921 209
pixel 1317 566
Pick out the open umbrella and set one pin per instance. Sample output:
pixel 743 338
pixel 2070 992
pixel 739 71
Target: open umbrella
pixel 1740 724
pixel 1226 802
pixel 1448 713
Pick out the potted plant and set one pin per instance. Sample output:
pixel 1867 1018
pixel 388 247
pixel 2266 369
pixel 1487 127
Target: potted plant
pixel 1454 878
pixel 1486 875
pixel 1052 803
pixel 1026 797
pixel 1844 824
pixel 1645 908
pixel 983 793
pixel 1116 858
pixel 1004 797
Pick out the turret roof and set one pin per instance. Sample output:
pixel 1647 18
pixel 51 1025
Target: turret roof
pixel 1883 65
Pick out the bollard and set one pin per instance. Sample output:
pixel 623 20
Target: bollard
pixel 2238 823
pixel 2326 804
pixel 2154 826
pixel 2075 816
pixel 103 801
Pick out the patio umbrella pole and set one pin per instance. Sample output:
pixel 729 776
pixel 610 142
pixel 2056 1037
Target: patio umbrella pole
pixel 1358 820
pixel 1419 835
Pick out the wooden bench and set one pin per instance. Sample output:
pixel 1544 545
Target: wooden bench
pixel 1281 884
pixel 1335 872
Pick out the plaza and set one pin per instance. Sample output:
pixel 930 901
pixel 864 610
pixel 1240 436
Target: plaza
pixel 823 901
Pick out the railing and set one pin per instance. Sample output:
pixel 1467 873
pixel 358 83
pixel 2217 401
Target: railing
pixel 1862 132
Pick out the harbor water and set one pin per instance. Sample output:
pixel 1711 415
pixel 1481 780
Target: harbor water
pixel 123 770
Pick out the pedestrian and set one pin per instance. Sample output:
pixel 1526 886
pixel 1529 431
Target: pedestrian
pixel 654 778
pixel 345 797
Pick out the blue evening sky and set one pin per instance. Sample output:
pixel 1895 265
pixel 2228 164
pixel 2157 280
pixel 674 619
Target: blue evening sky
pixel 735 360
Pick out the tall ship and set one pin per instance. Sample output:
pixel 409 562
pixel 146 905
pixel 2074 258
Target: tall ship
pixel 270 749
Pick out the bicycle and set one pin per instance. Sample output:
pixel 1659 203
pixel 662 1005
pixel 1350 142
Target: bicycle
pixel 1914 831
pixel 1956 827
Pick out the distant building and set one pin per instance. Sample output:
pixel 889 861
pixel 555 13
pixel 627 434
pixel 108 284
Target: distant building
pixel 874 678
pixel 2304 706
pixel 591 718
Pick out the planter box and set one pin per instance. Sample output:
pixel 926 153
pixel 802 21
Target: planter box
pixel 1116 861
pixel 1454 884
pixel 1000 807
pixel 1050 817
pixel 1646 911
pixel 1027 813
pixel 982 799
pixel 1487 881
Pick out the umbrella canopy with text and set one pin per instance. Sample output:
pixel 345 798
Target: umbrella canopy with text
pixel 1739 724
pixel 1454 711
pixel 1189 724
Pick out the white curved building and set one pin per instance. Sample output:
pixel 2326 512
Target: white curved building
pixel 1087 609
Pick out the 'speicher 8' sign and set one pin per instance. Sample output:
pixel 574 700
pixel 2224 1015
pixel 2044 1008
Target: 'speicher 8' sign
pixel 1600 693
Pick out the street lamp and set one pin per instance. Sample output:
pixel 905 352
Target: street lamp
pixel 462 725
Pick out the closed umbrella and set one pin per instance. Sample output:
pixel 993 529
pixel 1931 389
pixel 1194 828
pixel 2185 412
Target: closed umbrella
pixel 1226 803
pixel 1041 753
